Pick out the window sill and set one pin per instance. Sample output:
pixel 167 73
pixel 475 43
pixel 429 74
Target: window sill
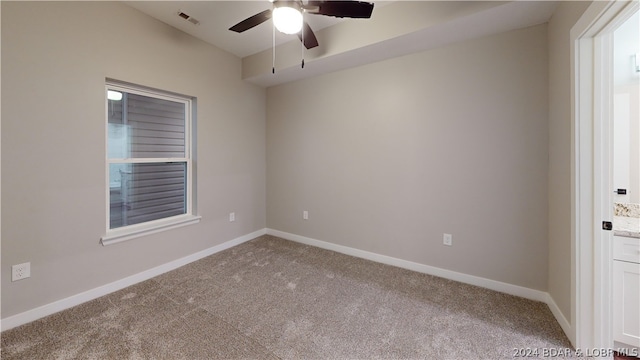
pixel 134 231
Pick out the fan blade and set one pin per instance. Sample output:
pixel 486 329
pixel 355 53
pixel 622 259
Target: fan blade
pixel 310 40
pixel 349 9
pixel 250 22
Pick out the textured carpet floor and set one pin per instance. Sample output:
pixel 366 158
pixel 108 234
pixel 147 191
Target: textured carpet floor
pixel 274 299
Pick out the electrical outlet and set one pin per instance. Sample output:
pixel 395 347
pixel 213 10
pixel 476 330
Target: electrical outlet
pixel 20 271
pixel 232 217
pixel 305 215
pixel 447 239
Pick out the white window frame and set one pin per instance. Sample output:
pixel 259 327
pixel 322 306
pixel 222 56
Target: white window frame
pixel 129 232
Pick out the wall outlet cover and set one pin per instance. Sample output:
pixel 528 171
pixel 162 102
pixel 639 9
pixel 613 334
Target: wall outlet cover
pixel 20 271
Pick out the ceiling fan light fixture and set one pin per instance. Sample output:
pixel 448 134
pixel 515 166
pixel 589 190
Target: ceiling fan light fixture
pixel 287 16
pixel 287 19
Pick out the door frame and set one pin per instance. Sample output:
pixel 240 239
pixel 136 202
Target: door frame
pixel 591 176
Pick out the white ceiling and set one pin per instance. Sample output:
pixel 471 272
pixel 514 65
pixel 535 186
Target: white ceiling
pixel 396 28
pixel 216 17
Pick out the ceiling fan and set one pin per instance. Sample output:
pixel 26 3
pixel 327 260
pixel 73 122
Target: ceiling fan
pixel 288 16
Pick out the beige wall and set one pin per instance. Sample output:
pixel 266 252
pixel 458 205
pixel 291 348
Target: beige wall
pixel 565 16
pixel 385 157
pixel 55 58
pixel 389 156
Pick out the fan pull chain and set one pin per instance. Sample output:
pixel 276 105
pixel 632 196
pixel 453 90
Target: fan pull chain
pixel 273 48
pixel 302 46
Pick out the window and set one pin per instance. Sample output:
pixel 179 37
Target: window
pixel 149 164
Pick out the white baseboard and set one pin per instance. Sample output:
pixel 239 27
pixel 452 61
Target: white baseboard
pixel 511 289
pixel 54 307
pixel 562 320
pixel 426 269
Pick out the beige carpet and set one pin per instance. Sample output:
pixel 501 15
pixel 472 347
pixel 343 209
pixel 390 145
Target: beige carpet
pixel 274 299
